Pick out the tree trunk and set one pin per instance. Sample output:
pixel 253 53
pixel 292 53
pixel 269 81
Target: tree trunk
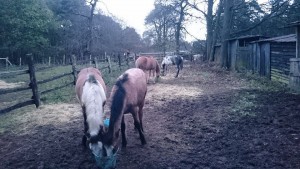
pixel 216 31
pixel 179 25
pixel 226 33
pixel 90 45
pixel 164 37
pixel 209 29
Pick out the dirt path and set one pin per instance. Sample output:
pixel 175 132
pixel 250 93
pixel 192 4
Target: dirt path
pixel 204 119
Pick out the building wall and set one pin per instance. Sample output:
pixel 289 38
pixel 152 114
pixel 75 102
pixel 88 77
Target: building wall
pixel 280 60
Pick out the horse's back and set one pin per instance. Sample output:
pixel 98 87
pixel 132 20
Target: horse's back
pixel 134 83
pixel 141 62
pixel 146 63
pixel 84 75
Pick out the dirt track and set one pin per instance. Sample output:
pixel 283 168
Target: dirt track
pixel 206 118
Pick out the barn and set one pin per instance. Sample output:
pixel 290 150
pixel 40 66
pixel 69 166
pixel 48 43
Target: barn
pixel 239 52
pixel 271 57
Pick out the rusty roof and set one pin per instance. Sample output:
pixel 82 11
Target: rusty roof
pixel 285 38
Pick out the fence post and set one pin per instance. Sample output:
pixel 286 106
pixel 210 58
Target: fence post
pixel 90 60
pixel 49 62
pixel 64 59
pixel 119 59
pixel 96 63
pixel 74 72
pixel 33 84
pixel 108 60
pixel 20 61
pixel 127 59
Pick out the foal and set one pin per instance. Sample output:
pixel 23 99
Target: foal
pixel 148 64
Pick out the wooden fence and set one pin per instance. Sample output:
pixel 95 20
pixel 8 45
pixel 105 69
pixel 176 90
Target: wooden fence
pixel 34 83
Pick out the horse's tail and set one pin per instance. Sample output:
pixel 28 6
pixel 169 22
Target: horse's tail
pixel 92 79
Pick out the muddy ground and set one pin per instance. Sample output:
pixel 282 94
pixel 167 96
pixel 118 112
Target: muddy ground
pixel 207 119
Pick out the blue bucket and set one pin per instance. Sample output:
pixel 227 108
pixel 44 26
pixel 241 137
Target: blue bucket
pixel 107 162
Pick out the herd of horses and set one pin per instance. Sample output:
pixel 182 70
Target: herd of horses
pixel 127 96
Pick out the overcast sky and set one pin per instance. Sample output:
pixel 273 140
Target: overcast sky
pixel 134 12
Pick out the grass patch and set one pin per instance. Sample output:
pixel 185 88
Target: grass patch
pixel 245 104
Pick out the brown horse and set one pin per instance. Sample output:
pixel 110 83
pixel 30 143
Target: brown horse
pixel 127 96
pixel 148 64
pixel 91 93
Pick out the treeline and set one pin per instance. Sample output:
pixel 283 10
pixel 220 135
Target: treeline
pixel 60 28
pixel 224 19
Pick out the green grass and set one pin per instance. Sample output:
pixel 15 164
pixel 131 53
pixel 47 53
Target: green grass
pixel 12 121
pixel 245 104
pixel 66 94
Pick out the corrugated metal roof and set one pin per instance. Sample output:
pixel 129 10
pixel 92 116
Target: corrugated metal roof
pixel 285 38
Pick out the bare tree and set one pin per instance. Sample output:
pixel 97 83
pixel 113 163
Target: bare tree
pixel 228 4
pixel 93 4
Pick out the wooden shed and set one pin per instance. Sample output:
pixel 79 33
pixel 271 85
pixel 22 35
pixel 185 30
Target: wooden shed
pixel 239 52
pixel 271 57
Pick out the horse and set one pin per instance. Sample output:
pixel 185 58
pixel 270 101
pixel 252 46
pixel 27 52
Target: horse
pixel 91 93
pixel 148 64
pixel 175 60
pixel 127 96
pixel 196 57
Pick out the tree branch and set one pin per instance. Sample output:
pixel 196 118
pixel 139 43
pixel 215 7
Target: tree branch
pixel 271 15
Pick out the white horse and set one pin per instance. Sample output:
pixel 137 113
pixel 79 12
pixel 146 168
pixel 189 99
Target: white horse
pixel 174 60
pixel 197 57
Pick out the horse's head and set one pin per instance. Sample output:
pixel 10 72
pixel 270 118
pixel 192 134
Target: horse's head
pixel 104 153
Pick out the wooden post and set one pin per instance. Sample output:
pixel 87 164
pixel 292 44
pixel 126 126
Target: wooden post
pixel 74 72
pixel 6 62
pixel 33 84
pixel 20 61
pixel 298 41
pixel 49 62
pixel 127 59
pixel 294 78
pixel 96 63
pixel 108 61
pixel 119 59
pixel 64 59
pixel 90 60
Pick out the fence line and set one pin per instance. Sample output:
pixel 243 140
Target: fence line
pixel 33 85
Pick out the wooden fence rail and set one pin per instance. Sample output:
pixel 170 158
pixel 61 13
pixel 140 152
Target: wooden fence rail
pixel 33 85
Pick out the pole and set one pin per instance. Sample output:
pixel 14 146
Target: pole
pixel 33 84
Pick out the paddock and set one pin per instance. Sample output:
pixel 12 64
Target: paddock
pixel 205 118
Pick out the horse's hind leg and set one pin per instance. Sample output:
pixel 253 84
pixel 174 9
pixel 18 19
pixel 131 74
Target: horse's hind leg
pixel 140 114
pixel 137 124
pixel 123 131
pixel 84 138
pixel 177 71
